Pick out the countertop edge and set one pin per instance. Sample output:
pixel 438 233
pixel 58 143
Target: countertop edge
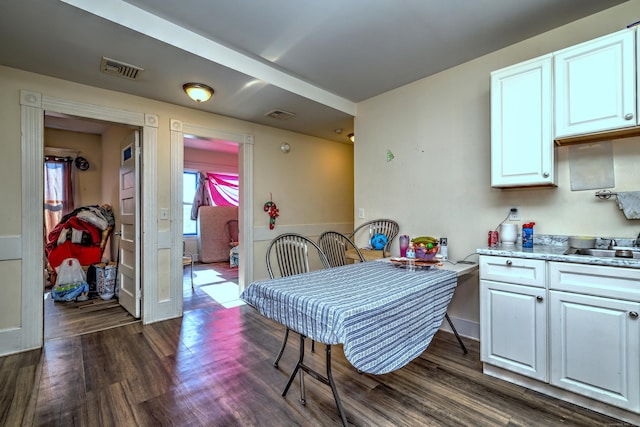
pixel 556 253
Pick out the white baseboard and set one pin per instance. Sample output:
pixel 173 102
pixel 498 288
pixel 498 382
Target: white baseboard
pixel 465 328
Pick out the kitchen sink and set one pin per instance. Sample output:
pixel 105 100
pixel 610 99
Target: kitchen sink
pixel 608 253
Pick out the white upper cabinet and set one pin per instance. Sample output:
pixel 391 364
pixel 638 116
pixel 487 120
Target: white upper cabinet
pixel 521 125
pixel 595 85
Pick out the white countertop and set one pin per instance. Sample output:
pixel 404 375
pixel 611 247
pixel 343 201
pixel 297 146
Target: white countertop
pixel 556 253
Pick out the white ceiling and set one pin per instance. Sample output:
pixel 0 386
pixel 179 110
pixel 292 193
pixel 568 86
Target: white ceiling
pixel 317 59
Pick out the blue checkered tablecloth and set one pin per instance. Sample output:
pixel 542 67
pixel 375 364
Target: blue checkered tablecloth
pixel 383 315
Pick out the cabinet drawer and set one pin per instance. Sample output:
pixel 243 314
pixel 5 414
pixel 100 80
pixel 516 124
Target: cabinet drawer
pixel 609 282
pixel 530 272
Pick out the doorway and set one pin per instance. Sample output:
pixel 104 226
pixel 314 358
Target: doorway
pixel 33 104
pixel 210 184
pixel 96 198
pixel 245 171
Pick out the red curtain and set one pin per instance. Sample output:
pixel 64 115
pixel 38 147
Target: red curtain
pixel 224 189
pixel 58 191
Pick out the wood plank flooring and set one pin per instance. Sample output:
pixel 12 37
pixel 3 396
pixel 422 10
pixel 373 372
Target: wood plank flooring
pixel 213 367
pixel 67 319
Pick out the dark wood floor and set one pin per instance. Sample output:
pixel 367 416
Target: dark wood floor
pixel 71 318
pixel 213 367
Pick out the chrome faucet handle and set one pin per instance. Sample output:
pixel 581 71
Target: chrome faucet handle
pixel 612 243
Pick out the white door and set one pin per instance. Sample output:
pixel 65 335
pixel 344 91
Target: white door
pixel 129 257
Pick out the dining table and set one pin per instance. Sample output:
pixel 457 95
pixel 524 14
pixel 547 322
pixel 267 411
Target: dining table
pixel 383 313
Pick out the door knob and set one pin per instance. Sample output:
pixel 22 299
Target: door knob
pixel 628 116
pixel 509 262
pixel 633 314
pixel 539 298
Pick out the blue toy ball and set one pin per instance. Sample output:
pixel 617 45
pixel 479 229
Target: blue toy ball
pixel 378 241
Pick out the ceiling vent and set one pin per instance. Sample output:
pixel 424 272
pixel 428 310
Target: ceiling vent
pixel 279 114
pixel 121 69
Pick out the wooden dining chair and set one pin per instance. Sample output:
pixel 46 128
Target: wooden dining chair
pixel 289 254
pixel 335 246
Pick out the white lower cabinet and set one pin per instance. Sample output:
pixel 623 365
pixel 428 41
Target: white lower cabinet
pixel 569 326
pixel 595 339
pixel 513 335
pixel 513 327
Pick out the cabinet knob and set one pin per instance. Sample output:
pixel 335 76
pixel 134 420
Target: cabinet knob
pixel 633 314
pixel 628 116
pixel 545 175
pixel 539 298
pixel 509 262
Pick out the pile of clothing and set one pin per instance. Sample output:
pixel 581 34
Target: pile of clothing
pixel 81 234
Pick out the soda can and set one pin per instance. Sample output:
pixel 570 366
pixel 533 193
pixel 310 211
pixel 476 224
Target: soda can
pixel 493 239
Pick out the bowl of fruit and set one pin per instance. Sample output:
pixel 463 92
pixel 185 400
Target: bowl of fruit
pixel 426 247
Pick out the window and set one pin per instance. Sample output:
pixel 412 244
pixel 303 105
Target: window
pixel 58 191
pixel 189 187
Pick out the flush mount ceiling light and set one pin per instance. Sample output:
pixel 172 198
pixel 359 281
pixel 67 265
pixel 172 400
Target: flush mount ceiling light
pixel 352 137
pixel 197 91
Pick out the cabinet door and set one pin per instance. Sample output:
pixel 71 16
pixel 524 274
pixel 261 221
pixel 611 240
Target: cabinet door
pixel 595 85
pixel 513 328
pixel 521 125
pixel 594 348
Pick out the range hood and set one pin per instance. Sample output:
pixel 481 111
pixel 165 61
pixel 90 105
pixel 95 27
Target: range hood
pixel 600 136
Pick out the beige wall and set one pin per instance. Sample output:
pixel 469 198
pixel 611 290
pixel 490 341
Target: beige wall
pixel 88 184
pixel 309 191
pixel 438 184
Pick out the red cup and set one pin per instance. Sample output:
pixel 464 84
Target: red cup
pixel 492 241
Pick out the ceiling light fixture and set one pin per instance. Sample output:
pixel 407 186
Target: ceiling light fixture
pixel 352 137
pixel 197 91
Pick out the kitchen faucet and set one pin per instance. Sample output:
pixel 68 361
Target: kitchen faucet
pixel 636 243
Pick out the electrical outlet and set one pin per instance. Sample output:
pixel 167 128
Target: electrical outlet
pixel 361 213
pixel 514 214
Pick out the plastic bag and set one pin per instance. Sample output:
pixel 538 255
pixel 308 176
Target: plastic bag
pixel 70 271
pixel 106 280
pixel 69 292
pixel 70 281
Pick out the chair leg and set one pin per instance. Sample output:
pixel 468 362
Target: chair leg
pixel 284 344
pixel 191 271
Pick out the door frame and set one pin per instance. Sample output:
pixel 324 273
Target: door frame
pixel 245 211
pixel 33 106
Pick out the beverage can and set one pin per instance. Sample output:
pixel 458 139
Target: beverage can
pixel 527 237
pixel 493 239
